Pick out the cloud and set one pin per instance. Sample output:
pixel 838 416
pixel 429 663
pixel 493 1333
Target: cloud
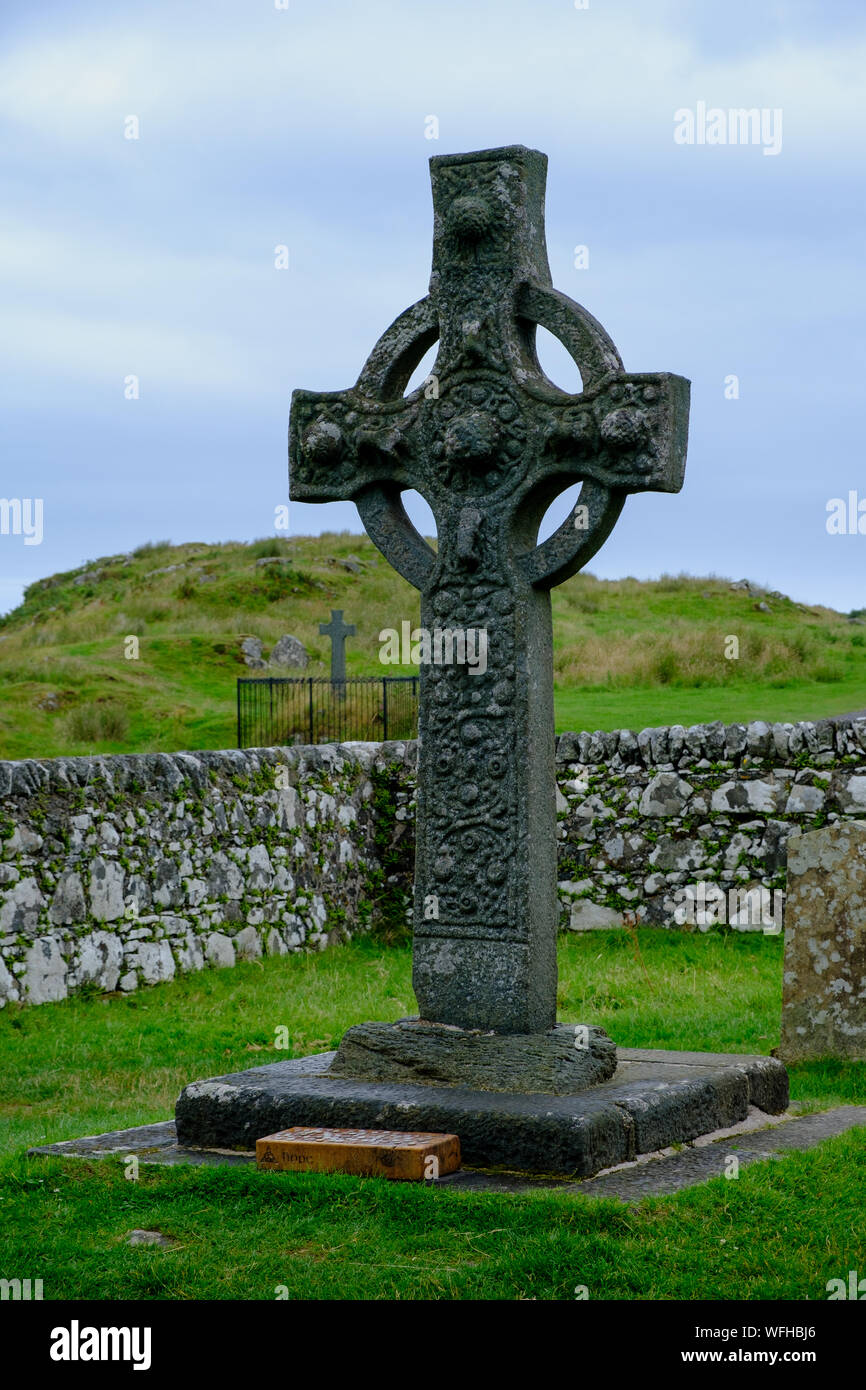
pixel 345 74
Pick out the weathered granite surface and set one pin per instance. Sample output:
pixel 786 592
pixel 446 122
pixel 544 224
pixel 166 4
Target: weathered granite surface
pixel 824 989
pixel 564 1060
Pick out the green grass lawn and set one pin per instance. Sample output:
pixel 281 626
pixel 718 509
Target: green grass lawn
pixel 651 707
pixel 781 1230
pixel 627 654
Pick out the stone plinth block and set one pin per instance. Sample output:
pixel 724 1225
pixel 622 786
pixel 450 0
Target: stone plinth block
pixel 824 992
pixel 565 1059
pixel 363 1153
pixel 654 1099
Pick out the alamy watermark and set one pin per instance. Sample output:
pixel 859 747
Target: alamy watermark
pixel 22 516
pixel 846 517
pixel 20 1289
pixel 854 1289
pixel 77 1343
pixel 738 125
pixel 705 905
pixel 444 646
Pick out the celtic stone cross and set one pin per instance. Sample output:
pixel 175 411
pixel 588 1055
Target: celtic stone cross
pixel 338 631
pixel 489 441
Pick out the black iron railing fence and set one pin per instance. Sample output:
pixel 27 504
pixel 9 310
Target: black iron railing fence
pixel 311 709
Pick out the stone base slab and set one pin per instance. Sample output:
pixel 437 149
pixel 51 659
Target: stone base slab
pixel 754 1140
pixel 653 1100
pixel 566 1059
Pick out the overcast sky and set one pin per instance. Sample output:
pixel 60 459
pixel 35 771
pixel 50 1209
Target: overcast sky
pixel 307 127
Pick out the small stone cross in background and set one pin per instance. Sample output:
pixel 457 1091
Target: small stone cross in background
pixel 338 631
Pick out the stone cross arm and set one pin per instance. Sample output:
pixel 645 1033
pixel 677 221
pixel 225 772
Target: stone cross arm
pixel 627 435
pixel 336 629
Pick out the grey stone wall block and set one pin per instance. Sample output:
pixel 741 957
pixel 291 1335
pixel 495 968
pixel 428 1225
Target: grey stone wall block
pixel 744 798
pixel 759 739
pixel 20 907
pixel 666 795
pixel 852 795
pixel 98 960
pixel 106 890
pixel 68 903
pixel 220 950
pixel 155 961
pixel 247 944
pixel 804 800
pixel 44 976
pixel 9 993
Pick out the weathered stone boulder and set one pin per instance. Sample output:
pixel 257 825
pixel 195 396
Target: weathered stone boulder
pixel 289 651
pixel 251 647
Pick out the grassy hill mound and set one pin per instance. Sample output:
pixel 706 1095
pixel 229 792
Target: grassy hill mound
pixel 627 653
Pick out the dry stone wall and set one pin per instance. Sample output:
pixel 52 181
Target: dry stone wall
pixel 643 815
pixel 122 871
